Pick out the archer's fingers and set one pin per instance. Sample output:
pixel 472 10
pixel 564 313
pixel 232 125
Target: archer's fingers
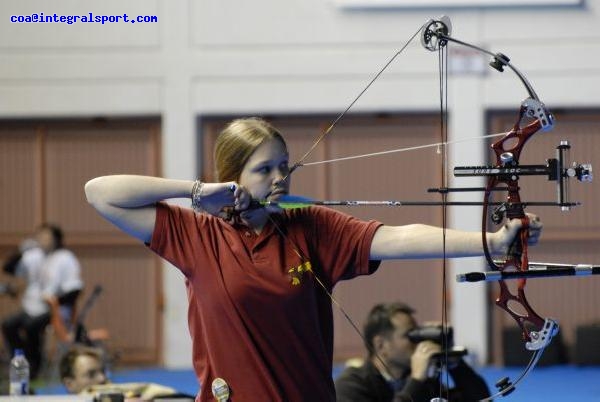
pixel 535 222
pixel 535 229
pixel 242 198
pixel 512 228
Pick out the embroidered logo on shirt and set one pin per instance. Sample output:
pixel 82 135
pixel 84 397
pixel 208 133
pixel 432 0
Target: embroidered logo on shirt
pixel 297 273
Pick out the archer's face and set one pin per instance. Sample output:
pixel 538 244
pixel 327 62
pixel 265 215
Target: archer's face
pixel 264 171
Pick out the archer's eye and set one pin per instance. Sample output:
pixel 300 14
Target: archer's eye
pixel 284 168
pixel 264 170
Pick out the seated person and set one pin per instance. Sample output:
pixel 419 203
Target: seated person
pixel 82 367
pixel 52 275
pixel 82 371
pixel 398 369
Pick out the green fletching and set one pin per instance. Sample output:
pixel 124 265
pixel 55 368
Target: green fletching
pixel 286 205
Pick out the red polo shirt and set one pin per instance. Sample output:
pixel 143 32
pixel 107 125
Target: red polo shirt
pixel 256 319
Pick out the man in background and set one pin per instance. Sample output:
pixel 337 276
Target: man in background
pixel 83 371
pixel 400 369
pixel 82 367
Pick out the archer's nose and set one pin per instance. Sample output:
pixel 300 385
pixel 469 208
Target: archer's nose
pixel 280 177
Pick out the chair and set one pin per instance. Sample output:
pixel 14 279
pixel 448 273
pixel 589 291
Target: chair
pixel 67 328
pixel 57 336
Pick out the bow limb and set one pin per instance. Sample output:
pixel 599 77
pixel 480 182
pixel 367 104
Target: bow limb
pixel 507 151
pixel 537 332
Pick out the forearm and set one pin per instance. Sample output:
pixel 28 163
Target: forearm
pixel 423 241
pixel 130 191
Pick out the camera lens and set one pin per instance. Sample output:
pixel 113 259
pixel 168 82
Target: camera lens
pixel 434 333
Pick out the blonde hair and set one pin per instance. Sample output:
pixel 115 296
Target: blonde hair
pixel 238 140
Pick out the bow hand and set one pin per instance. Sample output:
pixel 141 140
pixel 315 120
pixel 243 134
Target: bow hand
pixel 506 241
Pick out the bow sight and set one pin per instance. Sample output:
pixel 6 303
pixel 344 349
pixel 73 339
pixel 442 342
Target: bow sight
pixel 554 169
pixel 435 34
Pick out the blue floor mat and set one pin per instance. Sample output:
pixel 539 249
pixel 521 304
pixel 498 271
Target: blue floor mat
pixel 544 384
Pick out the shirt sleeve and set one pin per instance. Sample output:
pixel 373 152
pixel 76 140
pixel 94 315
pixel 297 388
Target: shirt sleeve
pixel 343 243
pixel 176 235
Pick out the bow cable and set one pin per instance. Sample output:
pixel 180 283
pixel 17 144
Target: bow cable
pixel 305 261
pixel 437 145
pixel 300 161
pixel 444 375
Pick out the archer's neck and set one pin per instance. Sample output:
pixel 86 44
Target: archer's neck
pixel 255 219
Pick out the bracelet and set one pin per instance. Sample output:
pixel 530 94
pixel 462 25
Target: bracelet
pixel 196 196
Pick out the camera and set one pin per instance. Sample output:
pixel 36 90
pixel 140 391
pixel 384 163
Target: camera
pixel 434 333
pixel 441 336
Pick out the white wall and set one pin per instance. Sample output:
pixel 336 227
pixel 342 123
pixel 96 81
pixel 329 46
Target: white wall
pixel 272 56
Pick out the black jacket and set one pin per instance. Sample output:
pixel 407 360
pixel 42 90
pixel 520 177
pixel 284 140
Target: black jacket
pixel 366 384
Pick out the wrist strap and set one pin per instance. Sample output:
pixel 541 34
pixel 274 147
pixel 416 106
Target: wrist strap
pixel 196 196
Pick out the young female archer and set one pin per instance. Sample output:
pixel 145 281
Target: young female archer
pixel 261 324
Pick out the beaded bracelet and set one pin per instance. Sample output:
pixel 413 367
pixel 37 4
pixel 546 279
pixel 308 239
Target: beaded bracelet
pixel 196 196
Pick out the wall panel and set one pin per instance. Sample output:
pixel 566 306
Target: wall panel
pixel 45 166
pixel 19 179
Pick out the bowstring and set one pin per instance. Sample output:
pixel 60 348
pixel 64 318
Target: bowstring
pixel 303 258
pixel 443 82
